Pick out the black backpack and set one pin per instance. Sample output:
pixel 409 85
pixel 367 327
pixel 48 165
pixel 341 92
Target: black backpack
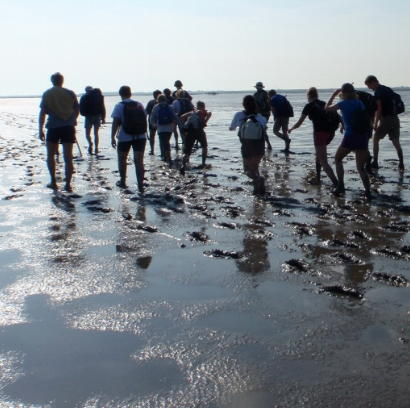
pixel 398 104
pixel 134 119
pixel 369 102
pixel 333 120
pixel 185 106
pixel 86 105
pixel 287 109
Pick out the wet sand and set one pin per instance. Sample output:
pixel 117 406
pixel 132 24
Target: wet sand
pixel 198 294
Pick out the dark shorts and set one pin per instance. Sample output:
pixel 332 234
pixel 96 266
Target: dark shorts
pixel 252 148
pixel 356 142
pixel 321 138
pixel 65 134
pixel 93 120
pixel 191 137
pixel 389 125
pixel 137 145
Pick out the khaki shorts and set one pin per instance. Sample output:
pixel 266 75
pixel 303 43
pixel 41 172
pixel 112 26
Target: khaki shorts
pixel 389 125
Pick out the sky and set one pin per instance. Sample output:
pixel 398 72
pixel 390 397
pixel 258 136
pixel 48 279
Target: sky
pixel 209 45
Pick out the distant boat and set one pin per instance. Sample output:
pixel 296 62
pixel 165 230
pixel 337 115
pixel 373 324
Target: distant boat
pixel 212 93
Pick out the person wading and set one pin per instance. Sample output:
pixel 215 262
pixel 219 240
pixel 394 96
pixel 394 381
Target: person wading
pixel 130 127
pixel 252 128
pixel 325 125
pixel 61 107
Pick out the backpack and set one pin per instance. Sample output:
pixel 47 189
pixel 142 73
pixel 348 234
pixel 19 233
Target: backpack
pixel 287 109
pixel 165 114
pixel 262 101
pixel 90 104
pixel 251 129
pixel 333 120
pixel 369 102
pixel 398 104
pixel 361 122
pixel 195 122
pixel 134 119
pixel 185 106
pixel 85 105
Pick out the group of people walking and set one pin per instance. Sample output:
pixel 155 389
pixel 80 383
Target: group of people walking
pixel 172 113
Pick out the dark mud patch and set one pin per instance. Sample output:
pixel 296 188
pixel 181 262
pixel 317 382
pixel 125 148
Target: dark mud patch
pixel 220 253
pixel 198 236
pixel 343 291
pixel 296 265
pixel 392 280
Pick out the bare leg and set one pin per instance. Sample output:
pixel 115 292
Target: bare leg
pixel 375 162
pixel 139 169
pixel 251 169
pixel 341 153
pixel 88 137
pixel 68 164
pixel 96 139
pixel 152 140
pixel 396 144
pixel 321 161
pixel 361 159
pixel 204 155
pixel 122 167
pixel 52 150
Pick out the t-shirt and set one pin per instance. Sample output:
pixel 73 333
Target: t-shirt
pixel 386 96
pixel 347 107
pixel 315 110
pixel 59 104
pixel 118 113
pixel 150 106
pixel 240 117
pixel 279 103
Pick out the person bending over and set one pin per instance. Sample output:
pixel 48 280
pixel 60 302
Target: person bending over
pixel 386 120
pixel 195 123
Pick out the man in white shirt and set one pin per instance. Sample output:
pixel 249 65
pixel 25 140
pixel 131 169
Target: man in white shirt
pixel 129 126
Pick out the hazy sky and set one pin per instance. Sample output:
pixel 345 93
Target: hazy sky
pixel 212 44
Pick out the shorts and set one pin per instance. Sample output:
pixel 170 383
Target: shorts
pixel 65 134
pixel 93 120
pixel 279 123
pixel 191 137
pixel 137 145
pixel 252 148
pixel 322 138
pixel 389 125
pixel 356 142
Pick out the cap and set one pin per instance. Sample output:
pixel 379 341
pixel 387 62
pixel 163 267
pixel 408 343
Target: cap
pixel 88 88
pixel 259 84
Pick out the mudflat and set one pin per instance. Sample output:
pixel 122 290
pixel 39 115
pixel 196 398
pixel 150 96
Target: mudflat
pixel 197 293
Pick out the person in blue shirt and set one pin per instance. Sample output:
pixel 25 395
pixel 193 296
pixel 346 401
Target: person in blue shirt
pixel 282 111
pixel 356 136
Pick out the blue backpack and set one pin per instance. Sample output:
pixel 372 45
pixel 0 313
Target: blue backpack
pixel 165 114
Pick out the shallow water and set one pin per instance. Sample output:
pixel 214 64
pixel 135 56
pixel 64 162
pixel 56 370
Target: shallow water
pixel 310 308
